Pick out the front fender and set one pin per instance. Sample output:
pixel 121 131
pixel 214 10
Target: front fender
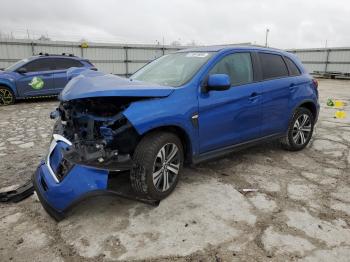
pixel 10 84
pixel 157 113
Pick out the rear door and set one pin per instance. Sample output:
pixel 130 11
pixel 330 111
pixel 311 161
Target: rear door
pixel 38 79
pixel 275 93
pixel 60 74
pixel 232 116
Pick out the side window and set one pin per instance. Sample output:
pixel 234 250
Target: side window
pixel 273 66
pixel 65 63
pixel 237 66
pixel 43 64
pixel 294 70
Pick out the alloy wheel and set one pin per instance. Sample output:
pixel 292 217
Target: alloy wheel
pixel 301 129
pixel 166 167
pixel 6 97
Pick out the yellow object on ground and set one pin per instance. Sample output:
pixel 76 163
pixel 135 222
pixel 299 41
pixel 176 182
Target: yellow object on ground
pixel 338 103
pixel 340 114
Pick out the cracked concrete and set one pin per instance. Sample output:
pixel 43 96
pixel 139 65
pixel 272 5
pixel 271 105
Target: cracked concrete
pixel 301 211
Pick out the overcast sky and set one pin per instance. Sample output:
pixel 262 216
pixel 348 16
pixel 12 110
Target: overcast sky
pixel 292 23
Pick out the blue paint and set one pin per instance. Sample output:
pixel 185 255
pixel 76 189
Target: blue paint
pixel 242 113
pixel 54 77
pixel 78 182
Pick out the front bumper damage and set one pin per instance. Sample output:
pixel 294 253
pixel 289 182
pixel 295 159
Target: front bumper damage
pixel 79 183
pixel 59 189
pixel 58 195
pixel 90 154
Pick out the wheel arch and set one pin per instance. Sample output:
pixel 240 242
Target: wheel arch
pixel 181 133
pixel 310 105
pixel 10 91
pixel 9 86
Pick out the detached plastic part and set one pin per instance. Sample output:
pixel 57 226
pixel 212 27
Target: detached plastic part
pixel 18 194
pixel 80 183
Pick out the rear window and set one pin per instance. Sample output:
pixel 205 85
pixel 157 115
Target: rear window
pixel 65 63
pixel 273 66
pixel 88 61
pixel 294 70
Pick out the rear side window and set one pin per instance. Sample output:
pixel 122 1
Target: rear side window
pixel 294 70
pixel 237 66
pixel 273 66
pixel 88 61
pixel 65 63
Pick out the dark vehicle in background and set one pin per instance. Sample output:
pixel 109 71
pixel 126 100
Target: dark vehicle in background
pixel 41 75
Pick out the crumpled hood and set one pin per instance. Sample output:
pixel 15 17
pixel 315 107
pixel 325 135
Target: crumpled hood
pixel 97 84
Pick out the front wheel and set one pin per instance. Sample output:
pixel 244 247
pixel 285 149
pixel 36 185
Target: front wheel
pixel 299 131
pixel 159 160
pixel 6 96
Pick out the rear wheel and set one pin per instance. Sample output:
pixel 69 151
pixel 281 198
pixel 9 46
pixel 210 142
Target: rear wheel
pixel 159 160
pixel 300 130
pixel 6 96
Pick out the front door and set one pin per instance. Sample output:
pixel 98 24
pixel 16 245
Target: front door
pixel 38 79
pixel 232 116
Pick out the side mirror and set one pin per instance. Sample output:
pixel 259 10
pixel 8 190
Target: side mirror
pixel 22 70
pixel 218 82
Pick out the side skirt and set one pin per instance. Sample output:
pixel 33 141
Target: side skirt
pixel 217 153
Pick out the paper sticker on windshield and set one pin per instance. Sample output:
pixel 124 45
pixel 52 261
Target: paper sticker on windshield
pixel 36 83
pixel 201 55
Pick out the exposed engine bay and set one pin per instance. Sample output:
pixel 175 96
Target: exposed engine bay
pixel 100 134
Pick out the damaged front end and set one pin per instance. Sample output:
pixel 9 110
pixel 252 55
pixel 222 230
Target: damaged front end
pixel 92 141
pixel 99 133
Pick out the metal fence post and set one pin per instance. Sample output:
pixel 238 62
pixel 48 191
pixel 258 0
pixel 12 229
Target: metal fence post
pixel 126 61
pixel 32 46
pixel 327 60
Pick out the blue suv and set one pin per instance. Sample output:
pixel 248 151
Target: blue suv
pixel 41 75
pixel 185 107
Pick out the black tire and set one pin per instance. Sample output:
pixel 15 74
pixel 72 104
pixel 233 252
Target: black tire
pixel 292 141
pixel 146 157
pixel 7 97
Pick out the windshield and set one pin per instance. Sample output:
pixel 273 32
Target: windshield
pixel 173 69
pixel 17 65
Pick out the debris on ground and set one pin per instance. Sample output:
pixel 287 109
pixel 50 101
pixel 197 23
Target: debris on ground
pixel 335 103
pixel 245 191
pixel 18 194
pixel 339 104
pixel 340 114
pixel 330 102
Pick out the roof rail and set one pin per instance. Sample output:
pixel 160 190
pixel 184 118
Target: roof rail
pixel 63 54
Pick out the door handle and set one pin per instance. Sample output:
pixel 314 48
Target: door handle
pixel 254 96
pixel 292 87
